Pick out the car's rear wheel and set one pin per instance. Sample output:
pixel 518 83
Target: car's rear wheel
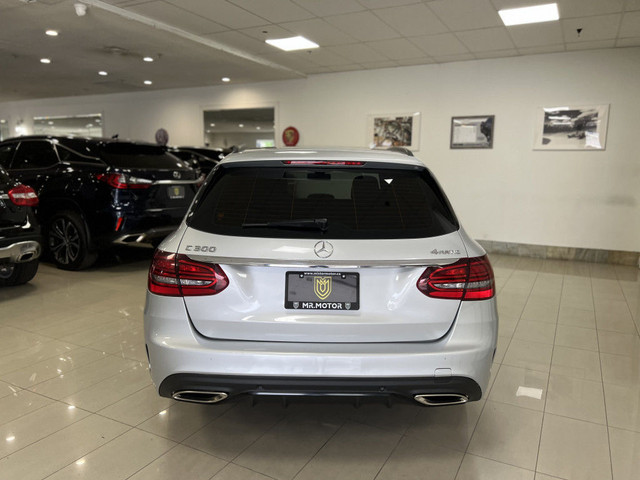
pixel 68 243
pixel 18 273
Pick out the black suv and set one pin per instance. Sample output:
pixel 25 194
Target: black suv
pixel 19 232
pixel 97 192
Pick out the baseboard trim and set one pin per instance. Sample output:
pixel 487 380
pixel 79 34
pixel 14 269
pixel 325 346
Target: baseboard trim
pixel 592 255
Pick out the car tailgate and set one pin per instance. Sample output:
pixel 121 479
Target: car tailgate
pixel 373 283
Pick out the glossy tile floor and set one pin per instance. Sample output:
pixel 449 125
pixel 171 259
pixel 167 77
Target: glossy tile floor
pixel 76 400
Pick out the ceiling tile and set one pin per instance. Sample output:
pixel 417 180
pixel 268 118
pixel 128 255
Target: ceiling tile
pixel 409 62
pixel 537 35
pixel 364 26
pixel 221 11
pixel 599 27
pixel 272 31
pixel 323 56
pixel 177 17
pixel 512 52
pixel 376 65
pixel 358 53
pixel 591 45
pixel 327 8
pixel 541 50
pixel 584 8
pixel 385 3
pixel 486 39
pixel 236 39
pixel 628 42
pixel 396 49
pixel 275 11
pixel 454 58
pixel 466 14
pixel 319 31
pixel 443 44
pixel 630 26
pixel 412 20
pixel 632 5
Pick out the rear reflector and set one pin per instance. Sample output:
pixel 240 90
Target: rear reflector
pixel 467 279
pixel 322 162
pixel 23 196
pixel 176 275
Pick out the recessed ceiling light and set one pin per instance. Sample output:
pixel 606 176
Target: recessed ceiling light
pixel 212 124
pixel 257 128
pixel 241 125
pixel 52 33
pixel 50 122
pixel 103 73
pixel 535 14
pixel 45 60
pixel 292 43
pixel 148 59
pixel 148 82
pixel 225 79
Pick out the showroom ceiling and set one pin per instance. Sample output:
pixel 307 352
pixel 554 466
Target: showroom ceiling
pixel 197 42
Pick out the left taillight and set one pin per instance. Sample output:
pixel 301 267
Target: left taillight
pixel 466 279
pixel 176 275
pixel 23 196
pixel 120 181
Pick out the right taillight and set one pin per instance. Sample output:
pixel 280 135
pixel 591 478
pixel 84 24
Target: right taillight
pixel 121 181
pixel 176 275
pixel 467 279
pixel 23 196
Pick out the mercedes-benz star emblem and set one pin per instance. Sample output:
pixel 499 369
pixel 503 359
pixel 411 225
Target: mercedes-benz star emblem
pixel 323 249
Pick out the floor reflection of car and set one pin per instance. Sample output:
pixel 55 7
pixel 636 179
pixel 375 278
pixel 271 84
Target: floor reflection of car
pixel 19 232
pixel 98 192
pixel 321 273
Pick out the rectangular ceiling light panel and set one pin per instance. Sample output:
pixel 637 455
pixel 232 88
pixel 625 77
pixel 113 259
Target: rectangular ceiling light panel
pixel 536 14
pixel 292 43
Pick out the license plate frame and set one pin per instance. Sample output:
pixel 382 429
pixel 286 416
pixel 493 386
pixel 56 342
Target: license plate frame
pixel 332 291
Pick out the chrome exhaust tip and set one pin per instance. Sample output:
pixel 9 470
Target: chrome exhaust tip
pixel 198 396
pixel 441 399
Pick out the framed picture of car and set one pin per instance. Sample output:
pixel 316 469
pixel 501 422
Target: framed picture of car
pixel 394 130
pixel 472 132
pixel 581 127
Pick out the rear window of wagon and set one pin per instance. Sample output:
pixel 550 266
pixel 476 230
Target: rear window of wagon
pixel 364 202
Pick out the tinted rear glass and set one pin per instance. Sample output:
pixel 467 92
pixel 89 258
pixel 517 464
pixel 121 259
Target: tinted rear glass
pixel 123 154
pixel 128 155
pixel 357 202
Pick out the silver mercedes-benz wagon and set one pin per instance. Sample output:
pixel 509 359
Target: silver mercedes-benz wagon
pixel 321 273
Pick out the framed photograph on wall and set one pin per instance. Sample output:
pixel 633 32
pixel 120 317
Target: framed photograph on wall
pixel 572 128
pixel 472 132
pixel 394 130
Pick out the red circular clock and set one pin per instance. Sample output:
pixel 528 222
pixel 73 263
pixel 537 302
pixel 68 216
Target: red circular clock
pixel 290 136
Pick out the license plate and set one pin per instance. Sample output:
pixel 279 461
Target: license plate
pixel 322 291
pixel 175 192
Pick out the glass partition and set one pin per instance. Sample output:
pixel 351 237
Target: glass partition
pixel 241 128
pixel 78 125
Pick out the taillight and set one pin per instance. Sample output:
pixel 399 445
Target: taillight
pixel 177 275
pixel 467 279
pixel 122 181
pixel 23 196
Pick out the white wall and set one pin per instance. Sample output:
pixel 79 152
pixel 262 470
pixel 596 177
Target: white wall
pixel 511 193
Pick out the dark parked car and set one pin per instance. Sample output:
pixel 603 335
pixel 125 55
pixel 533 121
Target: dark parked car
pixel 19 232
pixel 204 163
pixel 97 192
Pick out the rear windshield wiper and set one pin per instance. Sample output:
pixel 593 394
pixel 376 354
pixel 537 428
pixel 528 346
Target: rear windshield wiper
pixel 302 223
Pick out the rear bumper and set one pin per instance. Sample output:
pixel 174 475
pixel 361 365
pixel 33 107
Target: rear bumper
pixel 181 359
pixel 21 251
pixel 179 385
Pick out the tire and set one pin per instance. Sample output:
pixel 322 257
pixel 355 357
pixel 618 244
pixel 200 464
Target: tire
pixel 68 243
pixel 22 273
